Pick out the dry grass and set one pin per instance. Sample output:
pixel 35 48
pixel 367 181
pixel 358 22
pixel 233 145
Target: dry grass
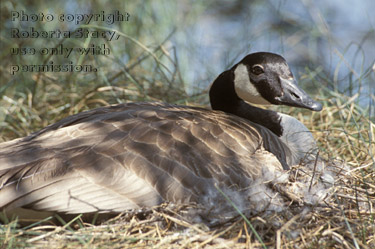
pixel 346 221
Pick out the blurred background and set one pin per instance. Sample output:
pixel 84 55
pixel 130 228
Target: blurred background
pixel 172 50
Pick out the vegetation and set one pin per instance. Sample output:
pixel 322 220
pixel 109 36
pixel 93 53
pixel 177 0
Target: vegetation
pixel 144 65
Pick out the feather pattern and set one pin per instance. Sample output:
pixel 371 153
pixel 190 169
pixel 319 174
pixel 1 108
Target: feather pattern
pixel 121 157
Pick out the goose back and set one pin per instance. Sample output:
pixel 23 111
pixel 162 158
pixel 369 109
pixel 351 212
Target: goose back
pixel 133 155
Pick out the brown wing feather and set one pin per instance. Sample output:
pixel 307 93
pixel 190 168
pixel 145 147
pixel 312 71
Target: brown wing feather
pixel 120 157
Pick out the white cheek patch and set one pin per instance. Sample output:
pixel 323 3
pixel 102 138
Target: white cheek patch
pixel 244 88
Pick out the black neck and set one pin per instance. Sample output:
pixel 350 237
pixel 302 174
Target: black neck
pixel 223 97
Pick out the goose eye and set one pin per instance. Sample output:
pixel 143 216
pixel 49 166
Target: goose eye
pixel 257 70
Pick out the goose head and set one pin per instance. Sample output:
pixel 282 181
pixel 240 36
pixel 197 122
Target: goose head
pixel 259 78
pixel 265 78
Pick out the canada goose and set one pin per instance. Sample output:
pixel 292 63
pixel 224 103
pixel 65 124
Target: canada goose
pixel 126 156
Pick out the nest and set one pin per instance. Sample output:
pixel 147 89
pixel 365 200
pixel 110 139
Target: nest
pixel 322 204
